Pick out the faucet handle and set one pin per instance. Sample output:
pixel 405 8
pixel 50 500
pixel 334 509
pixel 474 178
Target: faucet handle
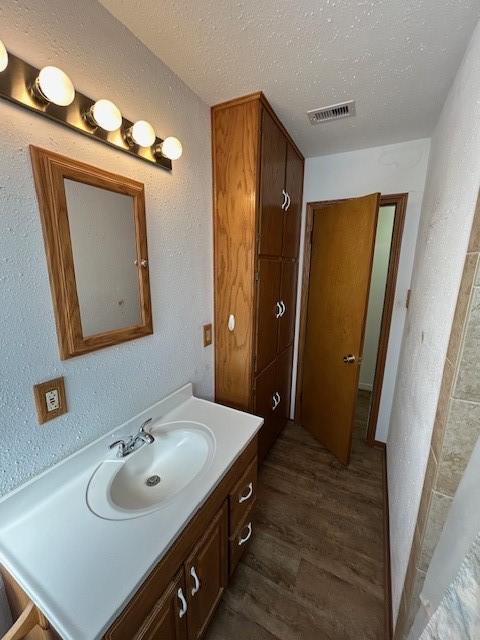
pixel 121 444
pixel 144 424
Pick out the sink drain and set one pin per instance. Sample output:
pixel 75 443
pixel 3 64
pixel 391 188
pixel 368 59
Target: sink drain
pixel 152 481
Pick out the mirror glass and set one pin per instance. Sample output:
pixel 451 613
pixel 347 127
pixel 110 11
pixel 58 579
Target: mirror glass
pixel 102 231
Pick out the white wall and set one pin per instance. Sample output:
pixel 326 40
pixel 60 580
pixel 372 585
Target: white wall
pixel 376 297
pixel 106 387
pixel 396 168
pixel 450 195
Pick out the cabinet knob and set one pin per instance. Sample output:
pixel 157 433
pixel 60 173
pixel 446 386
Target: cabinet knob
pixel 349 359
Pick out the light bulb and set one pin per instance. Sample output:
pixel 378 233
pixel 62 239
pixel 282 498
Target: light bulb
pixel 141 133
pixel 170 148
pixel 105 114
pixel 53 85
pixel 3 57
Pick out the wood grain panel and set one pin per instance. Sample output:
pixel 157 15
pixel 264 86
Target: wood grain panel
pixel 288 295
pixel 293 215
pixel 268 299
pixel 235 135
pixel 272 181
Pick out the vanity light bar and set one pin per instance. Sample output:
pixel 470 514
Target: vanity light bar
pixel 50 92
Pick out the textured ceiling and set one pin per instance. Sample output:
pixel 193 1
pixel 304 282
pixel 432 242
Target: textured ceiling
pixel 396 58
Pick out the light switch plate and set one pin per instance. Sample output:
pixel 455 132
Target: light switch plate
pixel 207 335
pixel 50 399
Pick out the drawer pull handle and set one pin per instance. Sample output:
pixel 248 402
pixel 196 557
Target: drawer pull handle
pixel 183 602
pixel 193 573
pixel 247 537
pixel 275 400
pixel 285 197
pixel 278 313
pixel 248 495
pixel 288 203
pixel 283 308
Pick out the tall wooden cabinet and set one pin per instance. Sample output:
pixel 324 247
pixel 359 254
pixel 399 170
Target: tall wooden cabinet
pixel 258 183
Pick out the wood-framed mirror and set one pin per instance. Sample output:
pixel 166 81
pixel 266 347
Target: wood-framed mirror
pixel 95 236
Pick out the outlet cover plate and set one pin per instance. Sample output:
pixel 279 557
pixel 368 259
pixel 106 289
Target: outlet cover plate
pixel 50 399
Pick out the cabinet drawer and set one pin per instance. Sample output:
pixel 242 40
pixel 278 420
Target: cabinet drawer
pixel 243 495
pixel 241 539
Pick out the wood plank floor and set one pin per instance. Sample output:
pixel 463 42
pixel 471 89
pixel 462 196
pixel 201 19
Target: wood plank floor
pixel 314 570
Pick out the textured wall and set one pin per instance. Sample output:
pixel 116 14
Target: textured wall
pixel 109 386
pixel 391 169
pixel 376 297
pixel 449 203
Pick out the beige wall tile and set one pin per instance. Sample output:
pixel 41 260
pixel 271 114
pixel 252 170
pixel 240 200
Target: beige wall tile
pixel 468 380
pixel 428 485
pixel 442 408
pixel 415 602
pixel 474 244
pixel 462 306
pixel 461 434
pixel 437 516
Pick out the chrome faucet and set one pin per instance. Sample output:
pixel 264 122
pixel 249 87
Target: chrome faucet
pixel 132 443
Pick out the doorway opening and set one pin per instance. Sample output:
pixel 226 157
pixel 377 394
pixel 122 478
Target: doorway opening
pixel 351 257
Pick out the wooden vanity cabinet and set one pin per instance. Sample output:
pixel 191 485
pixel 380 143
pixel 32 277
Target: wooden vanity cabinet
pixel 258 184
pixel 167 620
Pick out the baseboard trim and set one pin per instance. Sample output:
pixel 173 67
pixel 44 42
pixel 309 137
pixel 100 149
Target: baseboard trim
pixel 380 445
pixel 386 547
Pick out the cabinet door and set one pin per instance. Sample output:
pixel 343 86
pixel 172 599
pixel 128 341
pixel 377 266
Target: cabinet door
pixel 293 212
pixel 288 301
pixel 268 311
pixel 168 620
pixel 272 185
pixel 272 400
pixel 206 574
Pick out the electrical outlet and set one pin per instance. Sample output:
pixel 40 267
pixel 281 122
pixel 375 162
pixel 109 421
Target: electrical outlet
pixel 50 399
pixel 207 335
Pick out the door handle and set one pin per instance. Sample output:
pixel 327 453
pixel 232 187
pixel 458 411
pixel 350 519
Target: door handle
pixel 275 400
pixel 248 495
pixel 183 602
pixel 285 195
pixel 349 359
pixel 278 314
pixel 247 537
pixel 196 587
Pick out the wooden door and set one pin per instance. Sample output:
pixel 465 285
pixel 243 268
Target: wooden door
pixel 288 301
pixel 343 239
pixel 293 210
pixel 272 400
pixel 272 186
pixel 206 573
pixel 268 311
pixel 168 620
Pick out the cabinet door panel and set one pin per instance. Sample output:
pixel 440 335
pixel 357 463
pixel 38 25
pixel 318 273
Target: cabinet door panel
pixel 206 573
pixel 272 400
pixel 288 290
pixel 268 297
pixel 272 184
pixel 168 620
pixel 293 214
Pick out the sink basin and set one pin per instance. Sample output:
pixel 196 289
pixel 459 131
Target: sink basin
pixel 153 475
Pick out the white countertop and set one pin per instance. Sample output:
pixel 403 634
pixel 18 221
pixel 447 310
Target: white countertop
pixel 81 570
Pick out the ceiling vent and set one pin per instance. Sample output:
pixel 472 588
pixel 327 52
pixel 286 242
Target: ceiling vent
pixel 332 112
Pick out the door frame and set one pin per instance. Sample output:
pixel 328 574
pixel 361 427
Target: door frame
pixel 400 202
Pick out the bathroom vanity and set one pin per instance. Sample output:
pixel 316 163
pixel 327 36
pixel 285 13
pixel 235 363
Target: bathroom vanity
pixel 102 557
